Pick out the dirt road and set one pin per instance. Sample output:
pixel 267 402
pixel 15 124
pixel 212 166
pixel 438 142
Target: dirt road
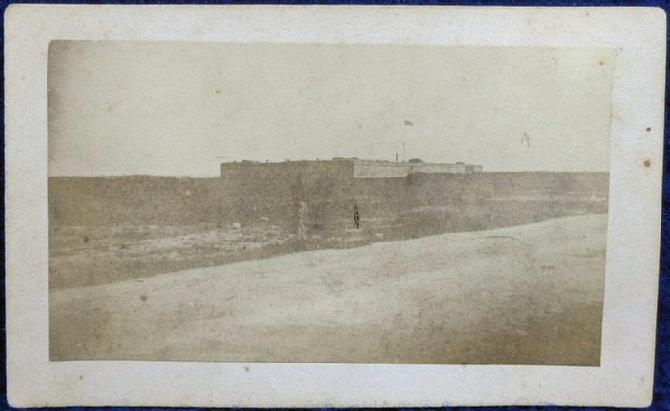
pixel 527 294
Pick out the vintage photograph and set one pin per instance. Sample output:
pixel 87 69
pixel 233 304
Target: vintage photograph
pixel 327 203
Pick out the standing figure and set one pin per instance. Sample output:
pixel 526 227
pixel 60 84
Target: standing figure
pixel 357 217
pixel 303 215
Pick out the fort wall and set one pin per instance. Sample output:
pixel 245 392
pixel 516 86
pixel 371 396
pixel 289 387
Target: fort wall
pixel 443 202
pixel 379 169
pixel 339 168
pixel 288 169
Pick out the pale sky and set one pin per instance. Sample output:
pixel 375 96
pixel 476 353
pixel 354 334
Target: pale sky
pixel 122 108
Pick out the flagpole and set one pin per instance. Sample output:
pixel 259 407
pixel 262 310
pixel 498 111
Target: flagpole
pixel 406 123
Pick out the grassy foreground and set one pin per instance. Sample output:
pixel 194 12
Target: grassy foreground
pixel 529 294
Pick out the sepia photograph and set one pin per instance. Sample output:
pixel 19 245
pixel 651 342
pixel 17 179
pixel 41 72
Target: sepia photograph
pixel 327 202
pixel 332 206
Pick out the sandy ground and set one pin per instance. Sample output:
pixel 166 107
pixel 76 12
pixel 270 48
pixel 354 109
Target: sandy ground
pixel 528 294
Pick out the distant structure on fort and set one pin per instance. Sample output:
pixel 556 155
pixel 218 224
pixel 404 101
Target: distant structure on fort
pixel 344 167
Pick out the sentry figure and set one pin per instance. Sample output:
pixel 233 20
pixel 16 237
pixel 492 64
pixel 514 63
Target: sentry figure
pixel 357 217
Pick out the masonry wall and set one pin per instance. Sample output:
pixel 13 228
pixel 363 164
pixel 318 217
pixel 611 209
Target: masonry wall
pixel 379 169
pixel 289 169
pixel 386 169
pixel 459 168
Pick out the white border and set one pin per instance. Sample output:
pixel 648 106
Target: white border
pixel 625 375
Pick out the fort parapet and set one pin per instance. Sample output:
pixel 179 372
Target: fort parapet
pixel 341 168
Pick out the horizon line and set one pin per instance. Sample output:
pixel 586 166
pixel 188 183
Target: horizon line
pixel 219 176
